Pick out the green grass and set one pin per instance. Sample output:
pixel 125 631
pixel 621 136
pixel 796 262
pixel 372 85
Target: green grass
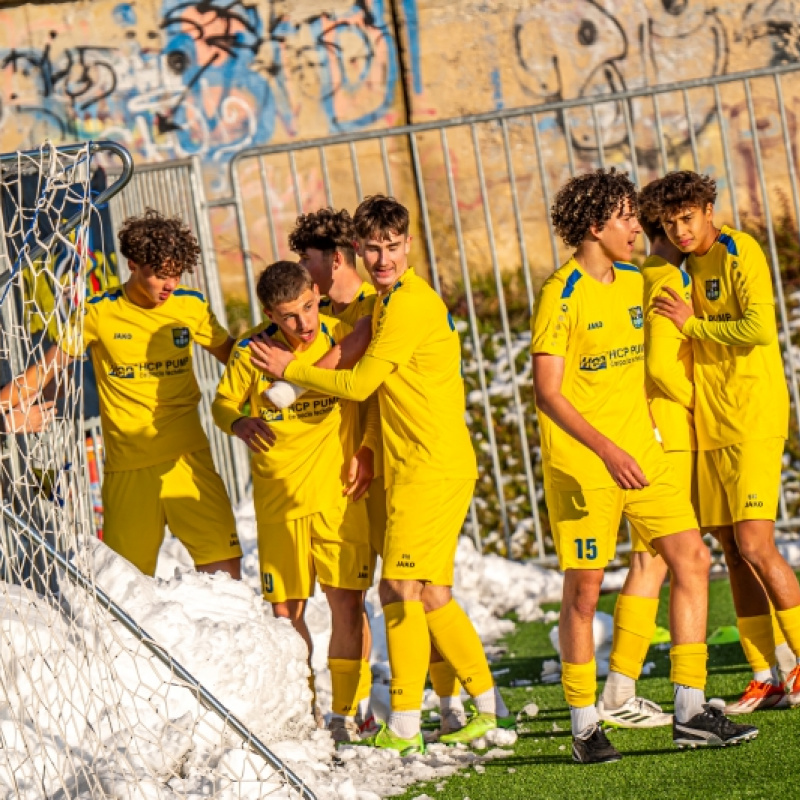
pixel 541 766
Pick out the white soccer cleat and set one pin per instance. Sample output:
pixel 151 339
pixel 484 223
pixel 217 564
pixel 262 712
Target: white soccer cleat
pixel 282 394
pixel 637 712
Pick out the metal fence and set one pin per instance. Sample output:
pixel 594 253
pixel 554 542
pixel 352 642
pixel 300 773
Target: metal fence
pixel 480 189
pixel 176 189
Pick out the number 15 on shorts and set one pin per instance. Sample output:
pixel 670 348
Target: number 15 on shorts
pixel 586 549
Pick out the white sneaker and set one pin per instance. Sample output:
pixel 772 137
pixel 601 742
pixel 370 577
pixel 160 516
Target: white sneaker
pixel 634 713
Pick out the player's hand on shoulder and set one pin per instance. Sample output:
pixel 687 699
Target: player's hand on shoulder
pixel 623 468
pixel 255 433
pixel 672 306
pixel 270 356
pixel 362 471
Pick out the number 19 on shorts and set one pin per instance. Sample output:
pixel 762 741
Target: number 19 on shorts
pixel 586 549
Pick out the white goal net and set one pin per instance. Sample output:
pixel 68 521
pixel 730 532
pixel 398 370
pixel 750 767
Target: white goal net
pixel 94 700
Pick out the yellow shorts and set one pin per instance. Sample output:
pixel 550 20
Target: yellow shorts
pixel 331 546
pixel 187 494
pixel 424 522
pixel 740 482
pixel 585 523
pixel 684 467
pixel 376 511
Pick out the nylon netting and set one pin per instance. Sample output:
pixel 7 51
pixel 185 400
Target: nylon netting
pixel 90 706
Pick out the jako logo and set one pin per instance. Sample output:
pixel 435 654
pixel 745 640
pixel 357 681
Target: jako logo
pixel 593 363
pixel 123 336
pixel 594 326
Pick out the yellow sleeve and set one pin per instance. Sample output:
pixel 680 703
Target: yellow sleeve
pixel 667 371
pixel 207 331
pixel 350 384
pixel 372 425
pixel 235 387
pixel 753 286
pixel 551 322
pixel 74 341
pixel 401 327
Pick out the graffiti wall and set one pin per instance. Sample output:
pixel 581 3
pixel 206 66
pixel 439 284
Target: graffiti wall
pixel 175 78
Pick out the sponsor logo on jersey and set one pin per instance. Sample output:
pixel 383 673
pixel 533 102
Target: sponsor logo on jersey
pixel 593 326
pixel 181 337
pixel 719 317
pixel 637 317
pixel 593 363
pixel 712 289
pixel 119 335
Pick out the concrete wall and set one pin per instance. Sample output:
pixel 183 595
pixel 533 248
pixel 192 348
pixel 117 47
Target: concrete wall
pixel 171 78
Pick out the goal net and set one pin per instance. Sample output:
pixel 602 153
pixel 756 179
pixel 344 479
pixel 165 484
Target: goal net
pixel 180 695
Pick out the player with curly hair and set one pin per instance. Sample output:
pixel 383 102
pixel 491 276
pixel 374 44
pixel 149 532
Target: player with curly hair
pixel 158 468
pixel 601 458
pixel 741 417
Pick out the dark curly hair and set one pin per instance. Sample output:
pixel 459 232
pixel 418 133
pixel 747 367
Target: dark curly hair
pixel 675 191
pixel 165 244
pixel 379 216
pixel 651 225
pixel 325 230
pixel 591 199
pixel 282 282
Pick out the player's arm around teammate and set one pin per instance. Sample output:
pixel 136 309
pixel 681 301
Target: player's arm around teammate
pixel 601 458
pixel 158 467
pixel 742 412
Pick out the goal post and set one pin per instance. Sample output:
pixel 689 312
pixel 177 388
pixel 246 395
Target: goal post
pixel 91 705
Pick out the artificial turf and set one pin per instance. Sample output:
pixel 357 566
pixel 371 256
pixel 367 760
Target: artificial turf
pixel 651 767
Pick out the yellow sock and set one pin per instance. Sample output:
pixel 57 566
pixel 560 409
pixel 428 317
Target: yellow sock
pixel 443 679
pixel 689 665
pixel 345 673
pixel 634 626
pixel 777 633
pixel 755 634
pixel 364 681
pixel 789 622
pixel 409 646
pixel 457 640
pixel 580 683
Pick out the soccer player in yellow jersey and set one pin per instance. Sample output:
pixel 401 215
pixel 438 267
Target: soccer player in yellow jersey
pixel 429 467
pixel 601 458
pixel 158 467
pixel 670 393
pixel 307 526
pixel 741 409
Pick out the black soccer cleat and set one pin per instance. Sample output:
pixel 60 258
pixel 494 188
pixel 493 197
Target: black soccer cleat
pixel 591 746
pixel 711 728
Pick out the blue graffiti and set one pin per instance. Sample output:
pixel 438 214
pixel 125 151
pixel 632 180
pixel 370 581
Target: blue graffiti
pixel 124 15
pixel 412 32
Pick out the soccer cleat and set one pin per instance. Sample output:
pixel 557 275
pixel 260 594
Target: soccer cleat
pixel 660 636
pixel 726 634
pixel 711 728
pixel 342 730
pixel 477 726
pixel 792 686
pixel 369 727
pixel 384 739
pixel 591 746
pixel 758 696
pixel 634 713
pixel 453 720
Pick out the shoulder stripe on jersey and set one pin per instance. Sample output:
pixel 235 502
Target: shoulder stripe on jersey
pixel 113 295
pixel 569 288
pixel 625 267
pixel 326 332
pixel 361 297
pixel 189 293
pixel 245 342
pixel 730 245
pixel 325 302
pixel 392 291
pixel 686 278
pixel 270 331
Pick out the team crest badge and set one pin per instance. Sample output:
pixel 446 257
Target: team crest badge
pixel 712 289
pixel 181 337
pixel 637 318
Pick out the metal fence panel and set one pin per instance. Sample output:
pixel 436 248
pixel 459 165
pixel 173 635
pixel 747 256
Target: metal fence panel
pixel 480 188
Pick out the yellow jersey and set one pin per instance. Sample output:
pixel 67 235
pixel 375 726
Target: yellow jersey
pixel 303 472
pixel 143 363
pixel 598 329
pixel 422 403
pixel 740 391
pixel 362 305
pixel 669 361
